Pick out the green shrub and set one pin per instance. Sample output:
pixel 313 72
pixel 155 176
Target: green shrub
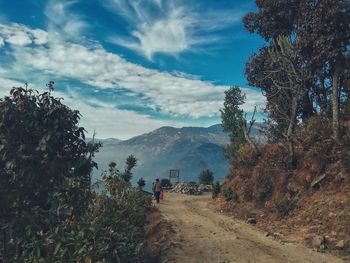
pixel 216 190
pixel 284 207
pixel 229 194
pixel 206 177
pixel 246 155
pixel 263 187
pixel 141 183
pixel 45 166
pixel 247 192
pixel 316 128
pixel 165 182
pixel 48 211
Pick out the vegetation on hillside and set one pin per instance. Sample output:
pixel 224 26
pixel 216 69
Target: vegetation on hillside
pixel 49 211
pixel 206 177
pixel 303 70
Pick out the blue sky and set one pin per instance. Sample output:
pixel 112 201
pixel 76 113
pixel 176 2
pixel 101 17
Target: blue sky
pixel 130 66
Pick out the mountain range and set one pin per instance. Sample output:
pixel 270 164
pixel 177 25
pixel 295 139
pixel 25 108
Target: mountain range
pixel 189 149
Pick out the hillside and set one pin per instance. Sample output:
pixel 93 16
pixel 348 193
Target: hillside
pixel 189 149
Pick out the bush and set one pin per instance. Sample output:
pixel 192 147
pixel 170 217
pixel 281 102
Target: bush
pixel 216 190
pixel 206 177
pixel 48 211
pixel 314 129
pixel 246 155
pixel 263 187
pixel 111 230
pixel 284 207
pixel 45 167
pixel 229 194
pixel 141 183
pixel 165 182
pixel 247 192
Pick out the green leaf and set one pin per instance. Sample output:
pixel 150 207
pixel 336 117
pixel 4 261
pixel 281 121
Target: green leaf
pixel 57 248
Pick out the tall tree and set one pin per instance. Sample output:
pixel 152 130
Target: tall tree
pixel 321 33
pixel 45 166
pixel 323 40
pixel 233 120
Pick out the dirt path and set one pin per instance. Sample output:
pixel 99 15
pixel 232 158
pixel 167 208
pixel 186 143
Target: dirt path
pixel 202 235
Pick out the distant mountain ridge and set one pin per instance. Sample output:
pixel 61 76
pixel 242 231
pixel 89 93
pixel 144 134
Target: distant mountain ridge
pixel 189 149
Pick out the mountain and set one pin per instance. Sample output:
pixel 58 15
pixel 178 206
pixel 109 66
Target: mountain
pixel 190 149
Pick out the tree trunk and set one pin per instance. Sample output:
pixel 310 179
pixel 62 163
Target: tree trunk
pixel 291 129
pixel 335 107
pixel 249 140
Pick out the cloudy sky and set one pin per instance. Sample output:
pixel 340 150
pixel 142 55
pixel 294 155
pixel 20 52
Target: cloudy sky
pixel 130 66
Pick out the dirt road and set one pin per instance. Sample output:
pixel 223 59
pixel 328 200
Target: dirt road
pixel 203 235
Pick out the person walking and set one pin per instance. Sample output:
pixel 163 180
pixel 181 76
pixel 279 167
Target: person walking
pixel 157 188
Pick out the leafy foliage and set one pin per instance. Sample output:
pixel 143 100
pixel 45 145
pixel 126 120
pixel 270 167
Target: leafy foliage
pixel 263 187
pixel 216 190
pixel 206 177
pixel 284 207
pixel 141 183
pixel 165 182
pixel 233 120
pixel 49 213
pixel 229 194
pixel 320 37
pixel 45 167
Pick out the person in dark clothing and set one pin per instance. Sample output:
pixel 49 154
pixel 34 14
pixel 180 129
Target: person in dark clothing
pixel 157 188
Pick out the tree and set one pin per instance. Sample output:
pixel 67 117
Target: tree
pixel 324 44
pixel 141 183
pixel 233 120
pixel 321 33
pixel 216 190
pixel 131 162
pixel 206 177
pixel 165 182
pixel 45 166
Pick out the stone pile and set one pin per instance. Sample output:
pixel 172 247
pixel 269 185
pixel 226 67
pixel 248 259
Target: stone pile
pixel 186 188
pixel 205 188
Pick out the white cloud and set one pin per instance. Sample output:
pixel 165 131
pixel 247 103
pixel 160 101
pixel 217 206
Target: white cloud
pixel 6 84
pixel 121 124
pixel 173 94
pixel 170 27
pixel 109 122
pixel 19 35
pixel 63 21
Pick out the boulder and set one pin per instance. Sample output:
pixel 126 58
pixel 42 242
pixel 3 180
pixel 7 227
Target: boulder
pixel 340 244
pixel 186 188
pixel 319 242
pixel 251 220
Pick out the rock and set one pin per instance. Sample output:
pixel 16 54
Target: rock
pixel 205 188
pixel 277 235
pixel 251 220
pixel 267 234
pixel 186 188
pixel 340 244
pixel 318 242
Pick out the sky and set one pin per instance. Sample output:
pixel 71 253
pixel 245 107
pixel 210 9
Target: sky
pixel 130 66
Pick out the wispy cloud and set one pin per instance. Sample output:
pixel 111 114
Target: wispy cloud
pixel 61 20
pixel 173 94
pixel 20 35
pixel 170 27
pixel 129 123
pixel 59 52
